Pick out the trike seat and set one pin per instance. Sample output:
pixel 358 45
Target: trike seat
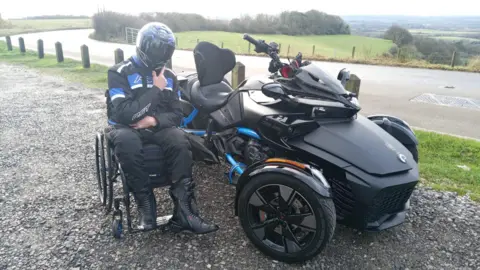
pixel 210 92
pixel 211 97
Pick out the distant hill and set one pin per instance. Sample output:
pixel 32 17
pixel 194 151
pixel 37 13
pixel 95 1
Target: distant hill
pixel 54 17
pixel 375 25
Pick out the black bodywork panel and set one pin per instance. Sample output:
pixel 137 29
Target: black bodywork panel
pixel 363 144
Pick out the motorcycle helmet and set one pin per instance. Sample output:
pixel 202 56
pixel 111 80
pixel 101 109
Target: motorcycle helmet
pixel 155 45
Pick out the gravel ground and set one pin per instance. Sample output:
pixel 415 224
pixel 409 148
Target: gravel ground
pixel 50 216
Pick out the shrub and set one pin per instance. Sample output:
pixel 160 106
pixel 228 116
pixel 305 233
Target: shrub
pixel 474 63
pixel 111 25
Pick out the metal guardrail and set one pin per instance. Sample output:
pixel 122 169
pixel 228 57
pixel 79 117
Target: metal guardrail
pixel 131 35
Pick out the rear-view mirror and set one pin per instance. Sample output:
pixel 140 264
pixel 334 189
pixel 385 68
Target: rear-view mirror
pixel 273 90
pixel 343 76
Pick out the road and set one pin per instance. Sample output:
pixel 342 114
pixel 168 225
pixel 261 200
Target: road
pixel 383 89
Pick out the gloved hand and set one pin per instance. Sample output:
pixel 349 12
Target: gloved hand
pixel 146 122
pixel 159 80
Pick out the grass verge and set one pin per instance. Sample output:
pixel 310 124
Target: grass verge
pixel 15 27
pixel 95 76
pixel 440 155
pixel 450 163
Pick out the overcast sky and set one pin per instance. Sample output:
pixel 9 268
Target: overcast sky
pixel 228 8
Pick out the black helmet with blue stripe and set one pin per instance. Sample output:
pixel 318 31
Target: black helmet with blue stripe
pixel 155 45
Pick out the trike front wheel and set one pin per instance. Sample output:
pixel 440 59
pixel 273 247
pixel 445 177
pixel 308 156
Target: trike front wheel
pixel 284 218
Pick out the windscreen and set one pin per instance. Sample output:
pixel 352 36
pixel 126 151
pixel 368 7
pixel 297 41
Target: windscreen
pixel 319 80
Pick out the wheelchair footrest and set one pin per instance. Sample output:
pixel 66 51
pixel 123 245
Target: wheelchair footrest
pixel 162 223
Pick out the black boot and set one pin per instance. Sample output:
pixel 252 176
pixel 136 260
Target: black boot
pixel 147 209
pixel 185 212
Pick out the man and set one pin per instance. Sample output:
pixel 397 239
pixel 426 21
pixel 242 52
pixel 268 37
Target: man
pixel 142 107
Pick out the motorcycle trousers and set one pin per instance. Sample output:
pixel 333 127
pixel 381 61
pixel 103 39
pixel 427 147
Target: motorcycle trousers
pixel 128 144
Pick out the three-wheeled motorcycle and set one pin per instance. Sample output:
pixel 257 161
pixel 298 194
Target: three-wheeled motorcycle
pixel 302 157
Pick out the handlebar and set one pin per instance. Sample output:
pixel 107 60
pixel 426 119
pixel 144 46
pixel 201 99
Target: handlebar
pixel 251 40
pixel 272 50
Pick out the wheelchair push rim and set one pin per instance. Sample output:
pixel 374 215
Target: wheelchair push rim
pixel 110 173
pixel 100 168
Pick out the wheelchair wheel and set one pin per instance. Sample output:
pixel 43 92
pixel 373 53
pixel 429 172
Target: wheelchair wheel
pixel 111 171
pixel 100 168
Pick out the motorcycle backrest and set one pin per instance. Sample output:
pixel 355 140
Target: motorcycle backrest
pixel 212 63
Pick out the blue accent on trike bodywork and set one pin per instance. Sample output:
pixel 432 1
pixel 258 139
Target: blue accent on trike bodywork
pixel 187 120
pixel 248 132
pixel 236 167
pixel 197 132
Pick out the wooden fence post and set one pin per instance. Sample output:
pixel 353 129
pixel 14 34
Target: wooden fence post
pixel 279 47
pixel 41 53
pixel 313 50
pixel 353 52
pixel 222 44
pixel 118 53
pixel 453 58
pixel 249 48
pixel 238 74
pixel 9 43
pixel 21 44
pixel 176 41
pixel 288 50
pixel 353 84
pixel 198 40
pixel 85 56
pixel 59 51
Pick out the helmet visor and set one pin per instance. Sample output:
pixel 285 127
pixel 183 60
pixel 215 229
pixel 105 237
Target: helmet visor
pixel 159 55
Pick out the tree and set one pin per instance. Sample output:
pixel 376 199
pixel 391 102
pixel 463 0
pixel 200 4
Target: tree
pixel 398 35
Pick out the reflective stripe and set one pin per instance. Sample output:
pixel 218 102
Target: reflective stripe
pixel 117 96
pixel 122 66
pixel 135 86
pixel 116 91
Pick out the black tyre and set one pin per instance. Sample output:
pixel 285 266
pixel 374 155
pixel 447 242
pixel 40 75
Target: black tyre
pixel 414 150
pixel 100 168
pixel 284 218
pixel 111 171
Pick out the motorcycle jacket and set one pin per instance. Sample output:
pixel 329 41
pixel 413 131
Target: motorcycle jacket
pixel 131 96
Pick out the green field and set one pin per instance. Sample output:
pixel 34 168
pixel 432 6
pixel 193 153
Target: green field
pixel 440 155
pixel 335 46
pixel 444 33
pixel 14 27
pixel 449 38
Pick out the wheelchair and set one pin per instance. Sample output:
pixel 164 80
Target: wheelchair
pixel 108 170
